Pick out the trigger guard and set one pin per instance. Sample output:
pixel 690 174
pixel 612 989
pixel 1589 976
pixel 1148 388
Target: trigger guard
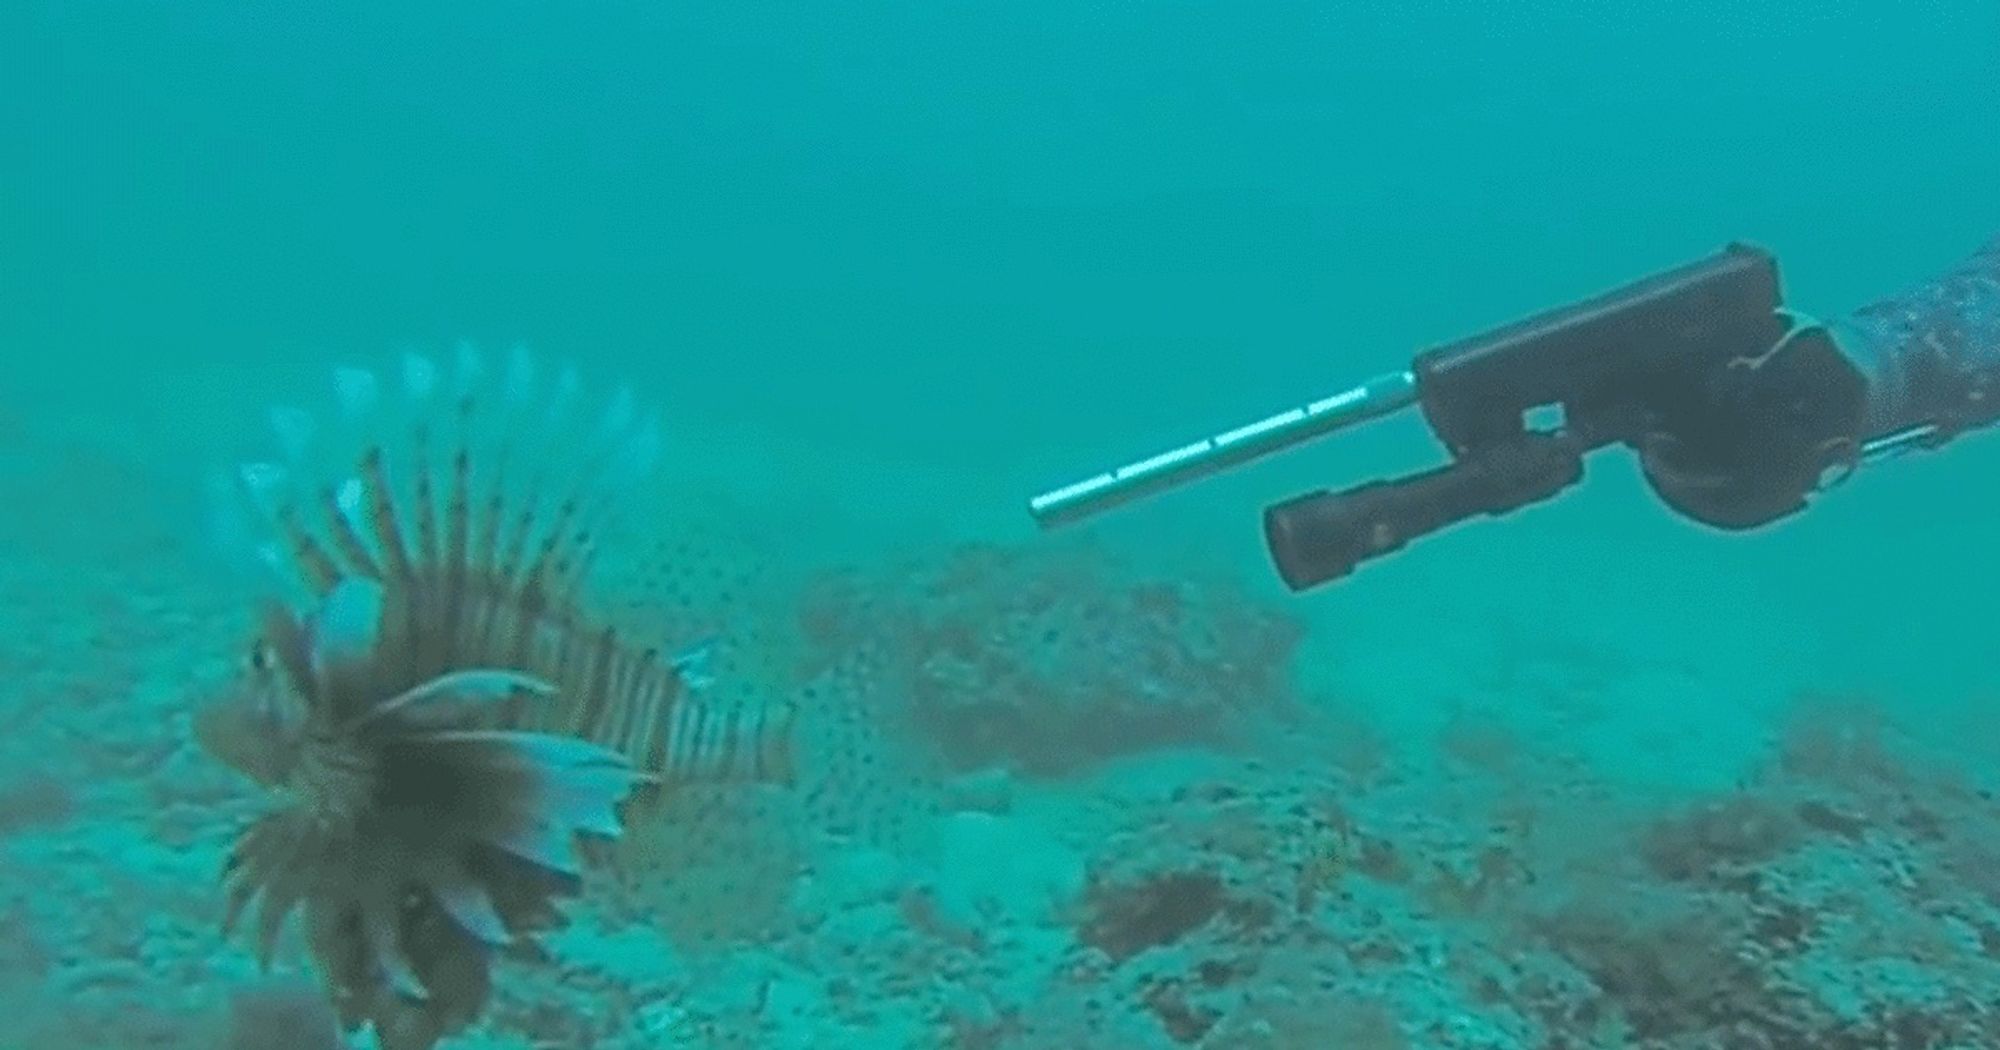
pixel 1717 498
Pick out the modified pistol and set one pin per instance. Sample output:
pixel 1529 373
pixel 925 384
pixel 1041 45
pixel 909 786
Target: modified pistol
pixel 1737 408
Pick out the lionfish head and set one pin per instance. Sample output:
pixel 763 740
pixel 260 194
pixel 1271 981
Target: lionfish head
pixel 252 721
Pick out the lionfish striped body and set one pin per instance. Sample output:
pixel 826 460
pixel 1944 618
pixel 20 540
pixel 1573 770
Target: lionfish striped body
pixel 444 713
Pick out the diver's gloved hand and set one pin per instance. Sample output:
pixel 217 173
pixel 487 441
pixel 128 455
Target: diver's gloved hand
pixel 1913 370
pixel 1931 353
pixel 1763 432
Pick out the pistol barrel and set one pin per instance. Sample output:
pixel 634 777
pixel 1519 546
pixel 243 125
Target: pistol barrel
pixel 1180 466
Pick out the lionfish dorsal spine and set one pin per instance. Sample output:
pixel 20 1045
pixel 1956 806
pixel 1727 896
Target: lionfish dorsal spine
pixel 344 505
pixel 458 526
pixel 297 556
pixel 480 501
pixel 382 513
pixel 600 650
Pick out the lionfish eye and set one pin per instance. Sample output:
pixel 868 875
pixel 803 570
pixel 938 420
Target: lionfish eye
pixel 260 657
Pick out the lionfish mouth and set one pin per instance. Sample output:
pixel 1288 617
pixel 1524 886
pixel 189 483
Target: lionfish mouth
pixel 460 716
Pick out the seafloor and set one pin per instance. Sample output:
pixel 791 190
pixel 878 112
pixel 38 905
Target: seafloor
pixel 1108 806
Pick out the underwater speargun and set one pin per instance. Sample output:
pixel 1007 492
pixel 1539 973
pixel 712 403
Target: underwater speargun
pixel 1738 409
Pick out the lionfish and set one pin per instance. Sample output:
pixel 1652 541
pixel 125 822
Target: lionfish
pixel 447 721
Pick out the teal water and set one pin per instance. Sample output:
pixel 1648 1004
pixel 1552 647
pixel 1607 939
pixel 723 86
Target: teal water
pixel 890 268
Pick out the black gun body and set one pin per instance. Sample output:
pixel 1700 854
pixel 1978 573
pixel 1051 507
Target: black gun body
pixel 1636 351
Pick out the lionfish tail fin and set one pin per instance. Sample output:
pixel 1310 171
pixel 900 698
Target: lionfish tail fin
pixel 704 734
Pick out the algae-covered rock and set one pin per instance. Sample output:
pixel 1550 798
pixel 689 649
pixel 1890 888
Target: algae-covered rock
pixel 1052 658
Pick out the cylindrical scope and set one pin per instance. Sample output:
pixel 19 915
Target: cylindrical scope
pixel 1322 536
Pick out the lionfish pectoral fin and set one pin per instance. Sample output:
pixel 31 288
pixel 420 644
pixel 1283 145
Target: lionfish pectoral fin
pixel 467 901
pixel 587 799
pixel 448 698
pixel 541 841
pixel 519 748
pixel 543 789
pixel 381 929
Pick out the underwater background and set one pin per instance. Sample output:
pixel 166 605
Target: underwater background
pixel 1587 776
